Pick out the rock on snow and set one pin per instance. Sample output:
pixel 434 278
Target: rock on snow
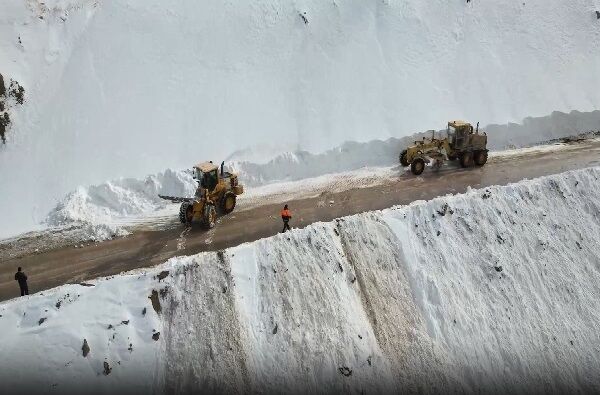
pixel 408 298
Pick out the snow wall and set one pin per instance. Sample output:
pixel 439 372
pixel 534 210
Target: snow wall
pixel 133 87
pixel 496 290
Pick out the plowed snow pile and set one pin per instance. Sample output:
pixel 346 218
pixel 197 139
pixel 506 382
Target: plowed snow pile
pixel 495 290
pixel 131 87
pixel 100 209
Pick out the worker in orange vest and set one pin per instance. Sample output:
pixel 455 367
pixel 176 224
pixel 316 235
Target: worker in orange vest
pixel 286 215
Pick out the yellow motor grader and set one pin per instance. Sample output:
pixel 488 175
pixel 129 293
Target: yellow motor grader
pixel 216 194
pixel 462 143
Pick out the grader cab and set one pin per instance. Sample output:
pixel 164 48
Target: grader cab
pixel 462 143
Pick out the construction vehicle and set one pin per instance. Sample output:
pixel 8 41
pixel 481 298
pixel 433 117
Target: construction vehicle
pixel 216 195
pixel 462 143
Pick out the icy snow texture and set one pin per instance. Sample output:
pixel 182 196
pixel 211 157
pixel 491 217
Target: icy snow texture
pixel 102 207
pixel 128 88
pixel 496 290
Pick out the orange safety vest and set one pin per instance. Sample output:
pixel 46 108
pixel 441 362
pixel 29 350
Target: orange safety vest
pixel 286 213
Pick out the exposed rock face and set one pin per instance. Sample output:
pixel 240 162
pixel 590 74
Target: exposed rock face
pixel 15 95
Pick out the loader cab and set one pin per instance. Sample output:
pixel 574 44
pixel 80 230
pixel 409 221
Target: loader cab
pixel 206 174
pixel 458 134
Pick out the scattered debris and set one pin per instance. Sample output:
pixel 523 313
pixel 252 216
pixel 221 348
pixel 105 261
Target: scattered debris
pixel 578 245
pixel 275 329
pixel 498 268
pixel 17 91
pixel 161 276
pixel 110 326
pixel 144 311
pixel 85 348
pixel 486 194
pixel 86 285
pixel 125 322
pixel 155 302
pixel 107 368
pixel 130 347
pixel 41 321
pixel 439 232
pixel 369 360
pixel 58 304
pixel 360 337
pixel 346 371
pixel 156 336
pixel 304 17
pixel 597 14
pixel 445 210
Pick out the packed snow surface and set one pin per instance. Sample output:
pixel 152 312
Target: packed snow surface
pixel 132 87
pixel 495 290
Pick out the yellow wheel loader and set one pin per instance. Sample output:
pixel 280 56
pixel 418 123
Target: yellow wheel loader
pixel 216 195
pixel 462 143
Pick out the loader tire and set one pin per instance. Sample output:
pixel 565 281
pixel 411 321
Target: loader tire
pixel 403 160
pixel 481 158
pixel 210 217
pixel 466 159
pixel 186 213
pixel 417 166
pixel 228 202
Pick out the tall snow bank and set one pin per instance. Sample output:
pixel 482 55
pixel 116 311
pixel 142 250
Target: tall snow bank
pixel 103 207
pixel 156 84
pixel 354 155
pixel 495 290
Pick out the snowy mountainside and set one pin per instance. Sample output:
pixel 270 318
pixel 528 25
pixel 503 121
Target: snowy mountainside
pixel 129 88
pixel 494 290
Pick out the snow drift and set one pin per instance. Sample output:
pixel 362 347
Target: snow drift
pixel 129 88
pixel 495 290
pixel 102 208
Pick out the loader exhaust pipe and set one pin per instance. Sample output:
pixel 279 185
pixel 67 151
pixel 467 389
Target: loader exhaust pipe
pixel 477 130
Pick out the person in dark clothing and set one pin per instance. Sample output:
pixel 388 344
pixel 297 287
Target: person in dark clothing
pixel 22 279
pixel 286 215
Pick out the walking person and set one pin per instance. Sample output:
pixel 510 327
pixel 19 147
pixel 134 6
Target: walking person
pixel 22 279
pixel 286 215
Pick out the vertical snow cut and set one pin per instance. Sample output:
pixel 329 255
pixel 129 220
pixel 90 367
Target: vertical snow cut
pixel 495 290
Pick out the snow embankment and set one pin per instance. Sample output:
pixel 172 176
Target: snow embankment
pixel 148 85
pixel 494 290
pixel 100 209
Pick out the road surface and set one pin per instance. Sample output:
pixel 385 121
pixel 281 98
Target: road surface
pixel 148 248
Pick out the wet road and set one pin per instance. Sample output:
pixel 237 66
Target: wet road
pixel 149 248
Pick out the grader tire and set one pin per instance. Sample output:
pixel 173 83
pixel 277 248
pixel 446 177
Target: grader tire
pixel 228 202
pixel 417 166
pixel 210 217
pixel 403 160
pixel 466 159
pixel 186 212
pixel 481 158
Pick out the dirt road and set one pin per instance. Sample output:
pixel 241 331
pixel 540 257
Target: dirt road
pixel 148 248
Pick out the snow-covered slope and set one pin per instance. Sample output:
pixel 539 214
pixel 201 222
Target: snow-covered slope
pixel 128 88
pixel 495 290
